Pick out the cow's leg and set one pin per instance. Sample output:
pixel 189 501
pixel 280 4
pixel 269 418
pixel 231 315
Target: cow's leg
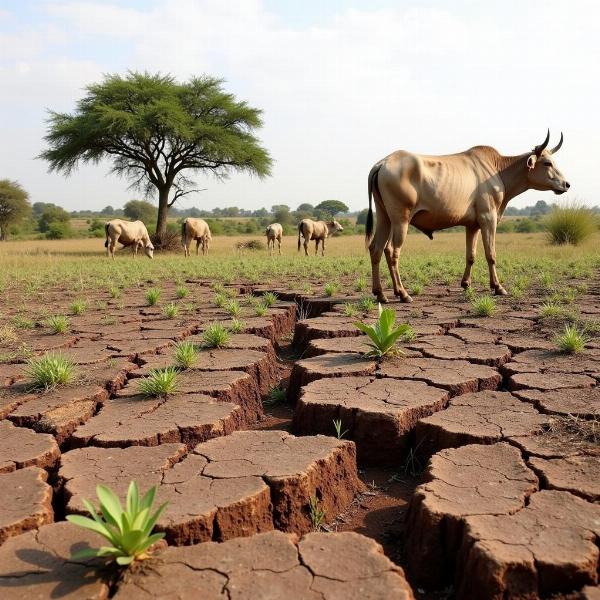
pixel 472 234
pixel 111 246
pixel 305 244
pixel 198 247
pixel 279 242
pixel 316 246
pixel 378 243
pixel 488 235
pixel 323 247
pixel 399 232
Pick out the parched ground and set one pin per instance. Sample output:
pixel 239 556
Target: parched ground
pixel 466 467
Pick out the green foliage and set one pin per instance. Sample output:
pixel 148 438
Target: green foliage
pixel 185 354
pixel 269 298
pixel 140 210
pixel 484 306
pixel 260 309
pixel 171 310
pixel 114 292
pixel 337 425
pixel 220 300
pixel 350 309
pixel 276 395
pixel 550 310
pixel 58 323
pixel 53 215
pixel 236 326
pixel 160 382
pixel 216 335
pixel 78 307
pixel 361 285
pixel 233 308
pixel 331 208
pixel 50 370
pixel 317 514
pixel 59 231
pixel 571 340
pixel 570 224
pixel 384 334
pixel 152 296
pixel 366 304
pixel 417 289
pixel 181 291
pixel 330 288
pixel 14 205
pixel 128 531
pixel 127 118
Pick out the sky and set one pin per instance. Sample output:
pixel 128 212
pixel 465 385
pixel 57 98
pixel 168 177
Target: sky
pixel 342 83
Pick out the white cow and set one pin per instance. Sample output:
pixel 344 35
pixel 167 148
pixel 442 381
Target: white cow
pixel 195 229
pixel 274 232
pixel 128 233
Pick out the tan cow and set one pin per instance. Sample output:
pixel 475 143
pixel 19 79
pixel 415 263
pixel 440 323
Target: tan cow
pixel 471 189
pixel 318 231
pixel 274 232
pixel 195 229
pixel 128 233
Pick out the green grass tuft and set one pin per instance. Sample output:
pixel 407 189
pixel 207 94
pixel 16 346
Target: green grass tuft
pixel 160 382
pixel 78 307
pixel 571 340
pixel 216 335
pixel 185 354
pixel 58 323
pixel 171 310
pixel 152 296
pixel 484 306
pixel 50 370
pixel 572 223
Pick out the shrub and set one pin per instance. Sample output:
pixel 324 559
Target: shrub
pixel 185 354
pixel 171 310
pixel 129 530
pixel 384 335
pixel 570 224
pixel 59 231
pixel 152 296
pixel 484 306
pixel 571 340
pixel 216 336
pixel 50 370
pixel 160 382
pixel 58 323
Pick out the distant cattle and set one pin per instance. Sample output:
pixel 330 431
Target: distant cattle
pixel 318 231
pixel 274 232
pixel 127 233
pixel 195 229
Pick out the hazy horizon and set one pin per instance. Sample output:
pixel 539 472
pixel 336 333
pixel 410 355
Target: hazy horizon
pixel 341 84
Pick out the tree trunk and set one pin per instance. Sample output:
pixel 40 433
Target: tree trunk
pixel 163 212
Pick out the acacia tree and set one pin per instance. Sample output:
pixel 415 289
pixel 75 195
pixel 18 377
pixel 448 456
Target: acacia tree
pixel 157 131
pixel 14 205
pixel 332 207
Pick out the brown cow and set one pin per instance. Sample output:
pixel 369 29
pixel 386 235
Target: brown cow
pixel 128 233
pixel 318 231
pixel 195 229
pixel 471 189
pixel 274 232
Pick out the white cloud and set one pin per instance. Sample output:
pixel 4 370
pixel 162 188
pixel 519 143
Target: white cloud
pixel 339 94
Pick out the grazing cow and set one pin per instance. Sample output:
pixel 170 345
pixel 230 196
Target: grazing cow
pixel 318 231
pixel 274 232
pixel 128 233
pixel 195 229
pixel 471 189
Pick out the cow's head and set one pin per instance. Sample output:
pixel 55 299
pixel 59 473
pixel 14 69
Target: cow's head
pixel 543 174
pixel 149 250
pixel 334 226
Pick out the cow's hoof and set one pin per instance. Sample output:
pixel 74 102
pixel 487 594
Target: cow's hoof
pixel 500 291
pixel 381 297
pixel 465 285
pixel 404 297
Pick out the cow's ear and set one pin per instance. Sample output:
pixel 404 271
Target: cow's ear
pixel 531 161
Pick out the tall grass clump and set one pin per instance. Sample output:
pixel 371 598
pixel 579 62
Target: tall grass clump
pixel 181 292
pixel 185 354
pixel 484 306
pixel 152 296
pixel 571 340
pixel 58 323
pixel 572 224
pixel 50 370
pixel 216 336
pixel 160 382
pixel 171 310
pixel 78 307
pixel 269 298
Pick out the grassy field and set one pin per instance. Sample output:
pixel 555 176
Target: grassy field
pixel 29 266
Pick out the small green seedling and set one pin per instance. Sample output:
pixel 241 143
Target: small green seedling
pixel 181 292
pixel 58 324
pixel 551 310
pixel 317 514
pixel 269 298
pixel 366 304
pixel 185 354
pixel 78 307
pixel 276 395
pixel 571 340
pixel 216 335
pixel 171 310
pixel 128 531
pixel 233 308
pixel 50 370
pixel 236 326
pixel 330 289
pixel 260 309
pixel 160 382
pixel 337 424
pixel 350 309
pixel 384 334
pixel 361 285
pixel 152 296
pixel 484 306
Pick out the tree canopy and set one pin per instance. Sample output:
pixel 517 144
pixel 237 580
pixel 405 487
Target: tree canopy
pixel 140 210
pixel 157 131
pixel 14 205
pixel 332 207
pixel 51 216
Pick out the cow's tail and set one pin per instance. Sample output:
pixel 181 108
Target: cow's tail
pixel 299 232
pixel 183 240
pixel 371 185
pixel 106 232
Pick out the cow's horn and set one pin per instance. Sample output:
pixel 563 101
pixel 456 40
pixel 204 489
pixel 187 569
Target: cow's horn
pixel 557 147
pixel 539 149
